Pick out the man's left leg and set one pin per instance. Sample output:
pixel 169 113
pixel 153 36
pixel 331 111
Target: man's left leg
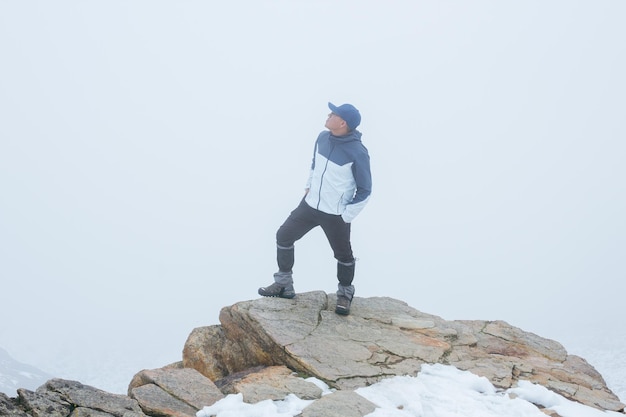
pixel 345 289
pixel 338 234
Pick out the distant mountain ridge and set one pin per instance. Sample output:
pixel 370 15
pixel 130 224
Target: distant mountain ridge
pixel 14 375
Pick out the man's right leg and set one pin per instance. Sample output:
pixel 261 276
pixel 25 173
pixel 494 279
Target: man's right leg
pixel 299 222
pixel 281 287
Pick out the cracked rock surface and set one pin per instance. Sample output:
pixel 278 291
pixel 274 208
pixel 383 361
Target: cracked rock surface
pixel 383 337
pixel 265 348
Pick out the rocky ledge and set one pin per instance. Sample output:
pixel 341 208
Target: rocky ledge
pixel 263 347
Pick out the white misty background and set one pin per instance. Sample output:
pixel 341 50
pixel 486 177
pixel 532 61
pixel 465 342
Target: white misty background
pixel 150 150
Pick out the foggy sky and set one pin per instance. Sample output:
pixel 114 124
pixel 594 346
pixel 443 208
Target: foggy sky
pixel 149 150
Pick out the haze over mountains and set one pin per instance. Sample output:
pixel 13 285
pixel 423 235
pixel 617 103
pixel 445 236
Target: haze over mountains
pixel 135 164
pixel 14 375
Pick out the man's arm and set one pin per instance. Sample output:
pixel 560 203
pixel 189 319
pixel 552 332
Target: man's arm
pixel 363 180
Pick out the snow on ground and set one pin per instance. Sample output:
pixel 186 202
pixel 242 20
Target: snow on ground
pixel 437 391
pixel 606 352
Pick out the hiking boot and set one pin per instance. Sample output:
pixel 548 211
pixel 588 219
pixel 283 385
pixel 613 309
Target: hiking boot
pixel 277 290
pixel 345 293
pixel 343 305
pixel 282 286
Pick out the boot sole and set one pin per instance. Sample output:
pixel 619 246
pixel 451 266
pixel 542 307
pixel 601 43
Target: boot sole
pixel 281 295
pixel 342 312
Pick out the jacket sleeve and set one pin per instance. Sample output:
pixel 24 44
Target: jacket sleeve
pixel 363 178
pixel 308 182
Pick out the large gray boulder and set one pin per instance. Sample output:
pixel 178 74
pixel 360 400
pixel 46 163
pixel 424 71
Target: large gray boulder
pixel 9 408
pixel 62 398
pixel 172 391
pixel 384 337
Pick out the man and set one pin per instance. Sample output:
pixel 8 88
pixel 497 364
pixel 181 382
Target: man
pixel 338 188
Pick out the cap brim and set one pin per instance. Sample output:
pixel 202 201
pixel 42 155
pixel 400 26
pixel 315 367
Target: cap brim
pixel 332 107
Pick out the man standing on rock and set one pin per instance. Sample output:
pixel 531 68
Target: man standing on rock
pixel 338 188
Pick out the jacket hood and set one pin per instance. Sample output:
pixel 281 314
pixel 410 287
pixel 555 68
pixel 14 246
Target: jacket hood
pixel 349 137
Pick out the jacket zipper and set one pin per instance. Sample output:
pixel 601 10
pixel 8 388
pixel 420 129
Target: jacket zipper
pixel 319 194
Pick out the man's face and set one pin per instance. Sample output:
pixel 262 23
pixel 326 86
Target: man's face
pixel 334 122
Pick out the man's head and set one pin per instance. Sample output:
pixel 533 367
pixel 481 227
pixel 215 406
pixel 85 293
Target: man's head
pixel 347 113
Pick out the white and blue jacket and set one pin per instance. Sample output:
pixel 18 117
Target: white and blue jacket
pixel 340 182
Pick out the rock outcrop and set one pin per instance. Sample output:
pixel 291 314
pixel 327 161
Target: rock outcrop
pixel 61 398
pixel 263 348
pixel 384 337
pixel 172 391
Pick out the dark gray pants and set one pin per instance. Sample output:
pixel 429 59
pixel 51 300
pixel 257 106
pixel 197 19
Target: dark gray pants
pixel 300 222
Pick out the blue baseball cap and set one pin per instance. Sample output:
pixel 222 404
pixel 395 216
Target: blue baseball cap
pixel 347 112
